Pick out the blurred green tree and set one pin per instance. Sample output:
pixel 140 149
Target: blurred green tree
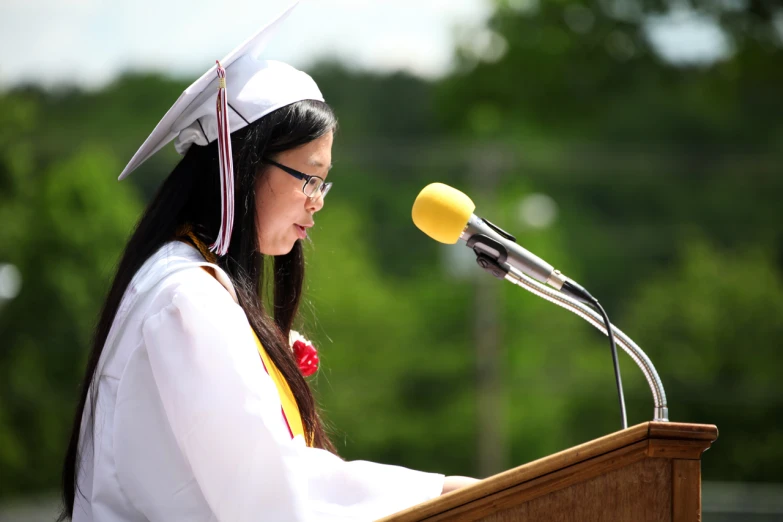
pixel 712 324
pixel 640 153
pixel 64 225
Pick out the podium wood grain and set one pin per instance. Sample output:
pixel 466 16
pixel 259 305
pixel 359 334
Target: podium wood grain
pixel 649 472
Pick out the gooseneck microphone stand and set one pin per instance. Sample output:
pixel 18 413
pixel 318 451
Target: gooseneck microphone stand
pixel 509 273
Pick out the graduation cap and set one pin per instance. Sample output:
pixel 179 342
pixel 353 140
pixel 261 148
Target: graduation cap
pixel 238 90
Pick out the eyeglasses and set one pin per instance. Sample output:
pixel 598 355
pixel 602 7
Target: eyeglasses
pixel 314 186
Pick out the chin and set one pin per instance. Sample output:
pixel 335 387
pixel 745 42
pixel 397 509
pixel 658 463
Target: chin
pixel 277 250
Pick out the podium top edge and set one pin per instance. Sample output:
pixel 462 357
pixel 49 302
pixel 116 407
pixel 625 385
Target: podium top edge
pixel 634 442
pixel 682 431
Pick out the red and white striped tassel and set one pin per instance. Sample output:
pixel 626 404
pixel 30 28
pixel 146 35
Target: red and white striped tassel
pixel 220 246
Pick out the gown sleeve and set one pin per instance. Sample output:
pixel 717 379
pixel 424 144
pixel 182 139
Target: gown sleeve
pixel 224 412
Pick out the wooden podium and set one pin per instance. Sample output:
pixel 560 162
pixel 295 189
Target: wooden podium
pixel 647 473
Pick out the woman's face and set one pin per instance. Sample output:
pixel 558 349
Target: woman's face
pixel 283 212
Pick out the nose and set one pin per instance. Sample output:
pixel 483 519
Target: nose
pixel 315 204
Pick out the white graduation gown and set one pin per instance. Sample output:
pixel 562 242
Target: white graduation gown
pixel 188 425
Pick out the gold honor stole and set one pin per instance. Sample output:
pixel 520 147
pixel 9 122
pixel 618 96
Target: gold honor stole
pixel 290 410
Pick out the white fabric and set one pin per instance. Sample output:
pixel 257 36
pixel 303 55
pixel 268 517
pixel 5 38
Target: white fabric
pixel 255 88
pixel 188 425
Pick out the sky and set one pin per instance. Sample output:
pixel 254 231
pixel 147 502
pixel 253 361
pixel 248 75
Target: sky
pixel 89 42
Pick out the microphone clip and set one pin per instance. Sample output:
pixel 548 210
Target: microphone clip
pixel 490 255
pixel 499 230
pixel 490 265
pixel 489 247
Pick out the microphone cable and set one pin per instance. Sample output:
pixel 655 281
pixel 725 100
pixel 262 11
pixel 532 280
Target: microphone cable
pixel 575 290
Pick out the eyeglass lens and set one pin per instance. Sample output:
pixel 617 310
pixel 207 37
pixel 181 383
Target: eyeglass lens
pixel 313 187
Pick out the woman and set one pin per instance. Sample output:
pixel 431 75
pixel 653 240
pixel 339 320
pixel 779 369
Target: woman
pixel 192 406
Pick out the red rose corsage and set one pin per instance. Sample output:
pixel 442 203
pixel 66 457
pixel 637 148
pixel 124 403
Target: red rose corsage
pixel 305 354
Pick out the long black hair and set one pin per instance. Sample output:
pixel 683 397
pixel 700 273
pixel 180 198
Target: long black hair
pixel 190 196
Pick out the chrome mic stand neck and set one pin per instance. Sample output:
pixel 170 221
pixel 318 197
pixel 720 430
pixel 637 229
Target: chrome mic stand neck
pixel 661 411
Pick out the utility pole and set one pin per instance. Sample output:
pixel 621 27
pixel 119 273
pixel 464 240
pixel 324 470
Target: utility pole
pixel 486 166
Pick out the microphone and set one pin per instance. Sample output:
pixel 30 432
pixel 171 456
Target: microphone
pixel 446 215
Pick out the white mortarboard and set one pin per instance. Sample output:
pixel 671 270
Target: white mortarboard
pixel 252 89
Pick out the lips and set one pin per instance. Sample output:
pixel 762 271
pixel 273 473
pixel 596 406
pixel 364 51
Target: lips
pixel 301 231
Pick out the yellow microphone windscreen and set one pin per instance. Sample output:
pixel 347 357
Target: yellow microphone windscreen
pixel 441 212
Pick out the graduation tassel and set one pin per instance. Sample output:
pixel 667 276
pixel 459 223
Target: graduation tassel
pixel 220 246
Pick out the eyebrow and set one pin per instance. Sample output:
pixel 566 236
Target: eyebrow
pixel 319 165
